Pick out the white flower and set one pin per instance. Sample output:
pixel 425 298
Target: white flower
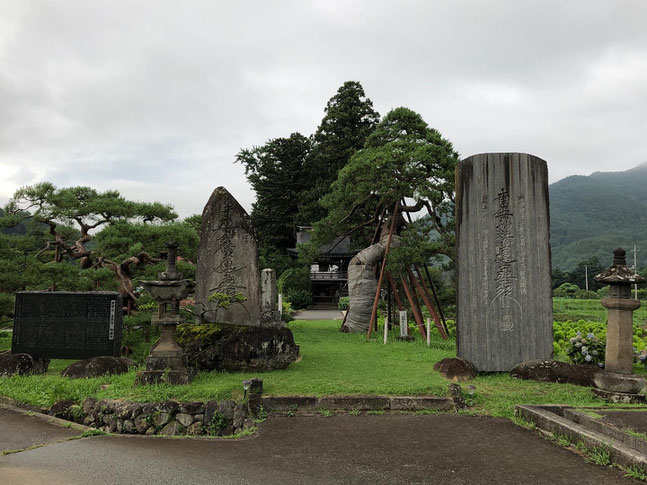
pixel 588 358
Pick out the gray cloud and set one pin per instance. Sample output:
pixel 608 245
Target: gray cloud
pixel 156 98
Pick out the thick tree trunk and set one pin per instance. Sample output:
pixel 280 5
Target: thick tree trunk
pixel 362 284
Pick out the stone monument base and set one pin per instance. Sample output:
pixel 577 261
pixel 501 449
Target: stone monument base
pixel 622 383
pixel 232 348
pixel 175 377
pixel 620 397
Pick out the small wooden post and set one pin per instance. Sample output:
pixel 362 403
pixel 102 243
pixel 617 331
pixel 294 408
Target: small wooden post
pixel 386 328
pixel 428 332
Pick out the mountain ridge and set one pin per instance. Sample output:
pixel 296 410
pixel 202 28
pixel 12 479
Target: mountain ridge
pixel 593 214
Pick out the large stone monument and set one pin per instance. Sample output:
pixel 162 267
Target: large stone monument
pixel 227 262
pixel 504 304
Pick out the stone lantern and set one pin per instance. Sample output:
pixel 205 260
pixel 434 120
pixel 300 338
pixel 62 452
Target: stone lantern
pixel 167 361
pixel 617 383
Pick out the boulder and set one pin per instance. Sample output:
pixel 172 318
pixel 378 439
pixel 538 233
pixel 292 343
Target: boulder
pixel 21 364
pixel 61 409
pixel 455 369
pixel 232 348
pixel 555 371
pixel 98 366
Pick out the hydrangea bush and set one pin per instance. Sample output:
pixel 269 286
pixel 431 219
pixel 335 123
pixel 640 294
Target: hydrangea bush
pixel 586 349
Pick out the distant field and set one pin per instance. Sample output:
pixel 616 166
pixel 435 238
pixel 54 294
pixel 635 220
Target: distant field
pixel 591 310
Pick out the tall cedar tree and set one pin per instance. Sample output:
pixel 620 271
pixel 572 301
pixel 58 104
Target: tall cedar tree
pixel 349 119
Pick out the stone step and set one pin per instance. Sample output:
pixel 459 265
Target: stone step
pixel 548 419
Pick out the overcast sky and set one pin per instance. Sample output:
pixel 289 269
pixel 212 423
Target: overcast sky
pixel 155 98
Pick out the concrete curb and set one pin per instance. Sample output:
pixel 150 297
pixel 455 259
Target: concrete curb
pixel 357 403
pixel 17 404
pixel 551 419
pixel 62 423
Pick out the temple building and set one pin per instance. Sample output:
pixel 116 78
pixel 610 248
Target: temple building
pixel 329 271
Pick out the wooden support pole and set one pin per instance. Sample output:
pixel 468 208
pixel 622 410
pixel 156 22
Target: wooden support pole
pixel 394 289
pixel 416 300
pixel 431 284
pixel 416 315
pixel 379 281
pixel 435 294
pixel 428 304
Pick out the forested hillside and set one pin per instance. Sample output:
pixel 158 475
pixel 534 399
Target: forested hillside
pixel 592 215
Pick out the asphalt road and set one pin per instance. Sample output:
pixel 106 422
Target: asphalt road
pixel 391 448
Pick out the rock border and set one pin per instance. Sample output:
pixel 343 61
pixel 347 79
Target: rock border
pixel 212 418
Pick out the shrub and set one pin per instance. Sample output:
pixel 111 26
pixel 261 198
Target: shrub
pixel 586 295
pixel 342 304
pixel 299 298
pixel 6 306
pixel 288 313
pixel 294 283
pixel 566 290
pixel 294 279
pixel 586 349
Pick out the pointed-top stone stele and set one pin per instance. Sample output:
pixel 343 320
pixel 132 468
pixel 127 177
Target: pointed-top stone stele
pixel 227 262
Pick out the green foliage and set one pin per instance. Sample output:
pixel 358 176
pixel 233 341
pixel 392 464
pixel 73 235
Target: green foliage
pixel 635 472
pixel 294 284
pixel 224 300
pixel 561 439
pixel 41 250
pixel 299 299
pixel 595 214
pixel 218 421
pixel 349 119
pixel 402 158
pixel 93 432
pixel 6 306
pixel 343 302
pixel 123 239
pixel 566 290
pixel 599 456
pixel 276 172
pixel 5 340
pixel 294 279
pixel 586 349
pixel 287 314
pixel 419 244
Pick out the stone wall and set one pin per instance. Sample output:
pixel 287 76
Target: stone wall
pixel 170 418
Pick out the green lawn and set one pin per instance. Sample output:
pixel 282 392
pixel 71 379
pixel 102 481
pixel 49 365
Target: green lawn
pixel 331 363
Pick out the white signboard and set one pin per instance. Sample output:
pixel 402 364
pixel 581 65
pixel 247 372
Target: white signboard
pixel 404 324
